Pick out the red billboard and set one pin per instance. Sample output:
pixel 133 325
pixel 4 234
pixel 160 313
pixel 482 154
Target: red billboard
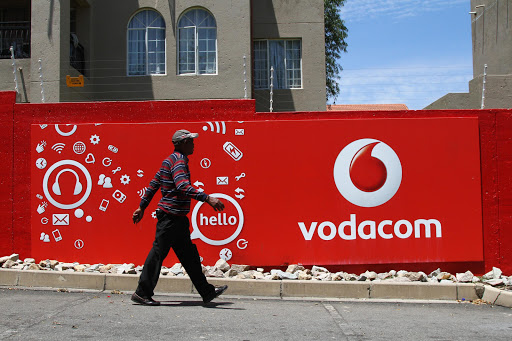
pixel 330 191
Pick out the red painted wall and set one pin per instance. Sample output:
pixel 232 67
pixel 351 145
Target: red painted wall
pixel 495 128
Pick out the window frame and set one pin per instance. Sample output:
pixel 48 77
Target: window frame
pixel 268 62
pixel 146 43
pixel 196 44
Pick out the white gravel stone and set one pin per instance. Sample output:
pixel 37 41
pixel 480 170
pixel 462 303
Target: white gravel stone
pixel 466 277
pixel 222 265
pixel 176 269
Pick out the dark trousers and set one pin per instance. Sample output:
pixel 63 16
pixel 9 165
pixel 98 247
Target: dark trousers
pixel 172 231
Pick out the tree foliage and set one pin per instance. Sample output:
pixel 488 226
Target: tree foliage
pixel 335 35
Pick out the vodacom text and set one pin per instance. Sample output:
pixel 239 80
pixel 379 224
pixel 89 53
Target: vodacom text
pixel 369 229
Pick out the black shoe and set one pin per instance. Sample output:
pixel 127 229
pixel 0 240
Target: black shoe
pixel 218 291
pixel 144 301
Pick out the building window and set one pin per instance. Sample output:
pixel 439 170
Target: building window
pixel 286 58
pixel 146 44
pixel 197 43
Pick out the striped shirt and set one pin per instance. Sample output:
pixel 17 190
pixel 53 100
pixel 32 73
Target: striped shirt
pixel 173 179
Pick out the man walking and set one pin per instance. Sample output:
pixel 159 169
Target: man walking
pixel 172 228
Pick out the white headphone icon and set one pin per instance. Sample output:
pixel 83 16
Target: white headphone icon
pixel 56 187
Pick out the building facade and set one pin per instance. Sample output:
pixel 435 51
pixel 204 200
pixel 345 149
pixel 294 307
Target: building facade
pixel 491 27
pixel 166 50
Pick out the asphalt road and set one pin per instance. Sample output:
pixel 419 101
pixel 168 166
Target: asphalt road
pixel 51 315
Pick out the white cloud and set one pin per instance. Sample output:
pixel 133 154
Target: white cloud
pixel 414 86
pixel 358 10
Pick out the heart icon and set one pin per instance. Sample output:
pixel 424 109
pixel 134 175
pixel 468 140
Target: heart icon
pixel 90 158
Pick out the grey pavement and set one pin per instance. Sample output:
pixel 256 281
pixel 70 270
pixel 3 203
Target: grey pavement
pixel 101 315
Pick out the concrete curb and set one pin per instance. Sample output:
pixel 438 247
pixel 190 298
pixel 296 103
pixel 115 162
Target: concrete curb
pixel 263 288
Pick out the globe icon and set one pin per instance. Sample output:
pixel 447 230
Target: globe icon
pixel 79 147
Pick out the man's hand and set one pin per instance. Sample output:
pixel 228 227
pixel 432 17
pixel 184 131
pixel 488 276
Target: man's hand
pixel 215 203
pixel 137 215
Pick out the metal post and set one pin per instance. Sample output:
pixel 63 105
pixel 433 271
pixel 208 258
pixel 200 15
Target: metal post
pixel 483 87
pixel 20 69
pixel 271 88
pixel 14 70
pixel 41 79
pixel 245 78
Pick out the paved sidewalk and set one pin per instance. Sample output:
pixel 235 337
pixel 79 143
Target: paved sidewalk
pixel 52 315
pixel 264 288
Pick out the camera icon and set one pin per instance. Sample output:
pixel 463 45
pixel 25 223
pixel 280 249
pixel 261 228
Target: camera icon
pixel 119 196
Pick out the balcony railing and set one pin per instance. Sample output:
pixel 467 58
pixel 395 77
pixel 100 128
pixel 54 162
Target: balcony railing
pixel 17 35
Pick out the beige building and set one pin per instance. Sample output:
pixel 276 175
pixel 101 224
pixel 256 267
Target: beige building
pixel 165 50
pixel 491 27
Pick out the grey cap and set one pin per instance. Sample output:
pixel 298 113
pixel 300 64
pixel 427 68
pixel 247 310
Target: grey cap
pixel 183 134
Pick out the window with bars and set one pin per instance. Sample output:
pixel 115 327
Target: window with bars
pixel 146 44
pixel 197 43
pixel 285 56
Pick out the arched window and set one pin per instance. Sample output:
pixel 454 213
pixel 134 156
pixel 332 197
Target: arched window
pixel 197 46
pixel 146 44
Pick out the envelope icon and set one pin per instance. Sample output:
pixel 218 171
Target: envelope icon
pixel 60 219
pixel 239 132
pixel 222 180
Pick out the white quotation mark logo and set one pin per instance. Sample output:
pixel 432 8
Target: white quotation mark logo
pixel 367 172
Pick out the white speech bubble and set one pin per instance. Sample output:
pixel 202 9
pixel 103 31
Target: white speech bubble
pixel 196 232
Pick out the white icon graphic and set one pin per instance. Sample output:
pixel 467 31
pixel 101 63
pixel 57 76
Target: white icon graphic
pixel 196 232
pixel 95 139
pixel 104 205
pixel 56 235
pixel 140 173
pixel 225 254
pixel 239 194
pixel 41 163
pixel 60 219
pixel 106 161
pixel 79 213
pixel 206 163
pixel 79 147
pixel 232 151
pixel 141 192
pixel 88 219
pixel 119 196
pixel 219 128
pixel 58 147
pixel 241 244
pixel 125 179
pixel 39 196
pixel 79 243
pixel 239 132
pixel 40 146
pixel 112 148
pixel 116 170
pixel 42 207
pixel 387 166
pixel 44 220
pixel 78 186
pixel 105 181
pixel 90 158
pixel 56 186
pixel 240 176
pixel 44 237
pixel 222 180
pixel 153 214
pixel 98 124
pixel 43 126
pixel 65 134
pixel 198 184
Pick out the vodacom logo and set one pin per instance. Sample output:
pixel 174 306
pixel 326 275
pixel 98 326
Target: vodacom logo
pixel 367 172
